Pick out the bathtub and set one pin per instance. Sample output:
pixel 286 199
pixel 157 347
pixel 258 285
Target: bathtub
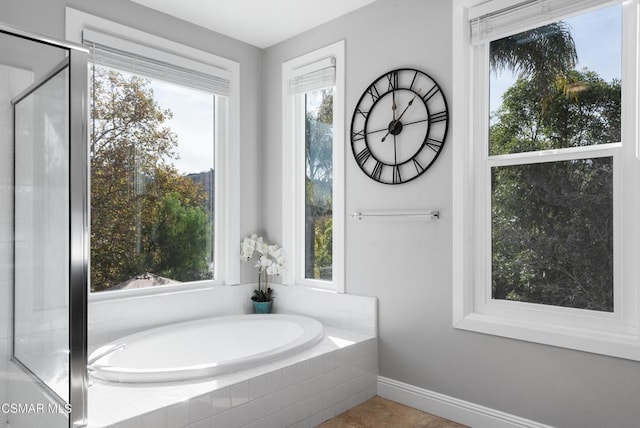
pixel 203 348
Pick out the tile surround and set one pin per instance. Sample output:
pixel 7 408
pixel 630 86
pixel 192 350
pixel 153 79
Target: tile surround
pixel 300 391
pixel 303 390
pixel 345 311
pixel 110 319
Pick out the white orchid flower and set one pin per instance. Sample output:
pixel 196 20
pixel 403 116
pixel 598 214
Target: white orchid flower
pixel 272 259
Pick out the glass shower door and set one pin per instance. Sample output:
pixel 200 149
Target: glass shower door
pixel 41 225
pixel 43 185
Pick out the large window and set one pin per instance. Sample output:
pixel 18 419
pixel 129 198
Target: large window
pixel 545 217
pixel 152 181
pixel 163 169
pixel 313 156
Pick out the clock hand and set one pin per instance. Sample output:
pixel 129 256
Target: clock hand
pixel 407 107
pixel 395 152
pixel 416 121
pixel 377 130
pixel 395 121
pixel 394 106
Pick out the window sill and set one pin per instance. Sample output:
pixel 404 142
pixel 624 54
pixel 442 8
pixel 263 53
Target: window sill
pixel 315 285
pixel 623 343
pixel 103 296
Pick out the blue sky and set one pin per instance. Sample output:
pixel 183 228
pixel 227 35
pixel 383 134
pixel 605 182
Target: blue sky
pixel 597 36
pixel 192 122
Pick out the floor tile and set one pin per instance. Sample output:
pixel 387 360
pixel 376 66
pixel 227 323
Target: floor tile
pixel 381 413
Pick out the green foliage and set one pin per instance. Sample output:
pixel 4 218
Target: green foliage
pixel 539 55
pixel 581 110
pixel 552 233
pixel 546 51
pixel 319 187
pixel 552 222
pixel 179 245
pixel 262 295
pixel 136 194
pixel 323 248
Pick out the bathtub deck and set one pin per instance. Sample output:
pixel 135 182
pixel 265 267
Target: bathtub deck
pixel 302 390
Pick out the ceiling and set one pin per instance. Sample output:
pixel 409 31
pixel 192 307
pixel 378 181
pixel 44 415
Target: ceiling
pixel 261 23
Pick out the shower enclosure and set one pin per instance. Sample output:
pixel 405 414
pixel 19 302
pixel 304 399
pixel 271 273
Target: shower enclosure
pixel 43 231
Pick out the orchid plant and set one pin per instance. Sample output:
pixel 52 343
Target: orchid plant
pixel 271 260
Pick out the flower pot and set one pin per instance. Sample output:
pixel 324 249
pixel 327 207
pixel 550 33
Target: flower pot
pixel 262 307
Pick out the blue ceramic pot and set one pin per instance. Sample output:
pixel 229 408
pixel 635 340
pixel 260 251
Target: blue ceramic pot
pixel 262 307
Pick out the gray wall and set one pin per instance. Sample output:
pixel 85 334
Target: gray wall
pixel 408 266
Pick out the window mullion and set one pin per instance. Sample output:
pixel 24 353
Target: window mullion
pixel 527 158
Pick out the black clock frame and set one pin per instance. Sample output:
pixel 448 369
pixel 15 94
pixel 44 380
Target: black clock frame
pixel 395 126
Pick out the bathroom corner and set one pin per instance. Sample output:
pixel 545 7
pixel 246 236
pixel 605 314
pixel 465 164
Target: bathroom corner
pixel 309 387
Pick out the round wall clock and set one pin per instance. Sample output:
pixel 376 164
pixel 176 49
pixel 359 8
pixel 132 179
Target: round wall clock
pixel 399 126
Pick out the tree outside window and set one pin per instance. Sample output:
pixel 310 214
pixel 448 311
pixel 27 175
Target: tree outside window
pixel 552 221
pixel 149 221
pixel 319 184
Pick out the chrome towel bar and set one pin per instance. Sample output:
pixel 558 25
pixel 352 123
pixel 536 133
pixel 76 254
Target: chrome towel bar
pixel 431 215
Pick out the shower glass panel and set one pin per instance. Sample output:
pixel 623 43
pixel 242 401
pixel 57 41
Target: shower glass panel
pixel 41 252
pixel 43 231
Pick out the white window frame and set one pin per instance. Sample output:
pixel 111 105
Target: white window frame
pixel 293 169
pixel 617 333
pixel 227 149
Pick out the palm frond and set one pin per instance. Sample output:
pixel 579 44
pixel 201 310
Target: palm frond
pixel 542 52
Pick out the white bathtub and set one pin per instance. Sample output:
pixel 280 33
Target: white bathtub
pixel 203 348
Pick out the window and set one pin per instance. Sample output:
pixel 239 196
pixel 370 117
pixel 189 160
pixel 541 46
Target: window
pixel 313 163
pixel 160 161
pixel 544 217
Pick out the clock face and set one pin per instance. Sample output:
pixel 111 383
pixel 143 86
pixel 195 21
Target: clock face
pixel 399 126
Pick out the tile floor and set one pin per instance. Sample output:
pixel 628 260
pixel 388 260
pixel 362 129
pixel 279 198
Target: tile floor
pixel 381 413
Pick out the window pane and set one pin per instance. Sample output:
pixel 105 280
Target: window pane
pixel 552 233
pixel 558 85
pixel 152 182
pixel 318 184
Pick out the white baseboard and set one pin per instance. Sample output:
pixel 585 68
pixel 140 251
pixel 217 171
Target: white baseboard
pixel 460 411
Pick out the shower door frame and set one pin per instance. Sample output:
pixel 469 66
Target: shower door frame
pixel 78 221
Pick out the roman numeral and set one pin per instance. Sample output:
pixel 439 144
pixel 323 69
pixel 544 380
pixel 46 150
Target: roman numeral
pixel 434 90
pixel 357 136
pixel 363 156
pixel 418 165
pixel 441 116
pixel 434 145
pixel 373 91
pixel 377 171
pixel 397 178
pixel 413 80
pixel 393 80
pixel 363 113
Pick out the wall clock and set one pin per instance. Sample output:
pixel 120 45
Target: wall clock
pixel 399 126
